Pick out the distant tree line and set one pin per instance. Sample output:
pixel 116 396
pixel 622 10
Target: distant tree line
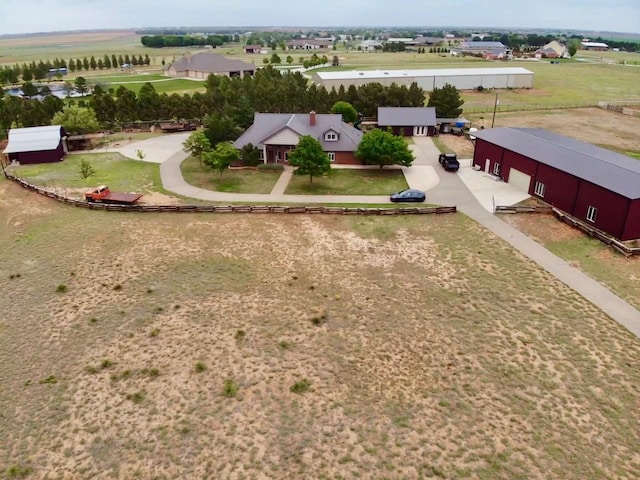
pixel 27 72
pixel 159 41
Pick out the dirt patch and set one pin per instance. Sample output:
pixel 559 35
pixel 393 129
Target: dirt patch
pixel 542 227
pixel 156 198
pixel 458 144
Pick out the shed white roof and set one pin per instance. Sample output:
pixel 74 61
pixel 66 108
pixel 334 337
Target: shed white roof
pixel 441 72
pixel 34 139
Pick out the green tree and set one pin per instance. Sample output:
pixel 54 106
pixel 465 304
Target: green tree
pixel 77 120
pixel 446 101
pixel 72 65
pixel 220 128
pixel 573 47
pixel 221 157
pixel 197 144
pixel 92 63
pixel 86 169
pixel 29 89
pixel 81 86
pixel 250 155
pixel 379 147
pixel 149 103
pixel 105 107
pixel 309 158
pixel 85 64
pixel 275 58
pixel 349 114
pixel 335 61
pixel 289 59
pixel 265 60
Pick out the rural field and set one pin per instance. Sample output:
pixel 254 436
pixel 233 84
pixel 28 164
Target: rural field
pixel 197 346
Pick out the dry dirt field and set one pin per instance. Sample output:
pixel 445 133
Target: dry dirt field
pixel 166 346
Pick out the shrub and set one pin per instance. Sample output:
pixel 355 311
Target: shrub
pixel 200 367
pixel 240 335
pixel 300 386
pixel 319 320
pixel 230 388
pixel 136 397
pixel 155 332
pixel 62 288
pixel 117 287
pixel 50 380
pixel 106 363
pixel 18 471
pixel 285 345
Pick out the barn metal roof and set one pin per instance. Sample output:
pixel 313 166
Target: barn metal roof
pixel 406 116
pixel 34 139
pixel 440 72
pixel 613 171
pixel 210 63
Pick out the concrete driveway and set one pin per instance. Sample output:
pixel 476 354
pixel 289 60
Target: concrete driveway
pixel 156 150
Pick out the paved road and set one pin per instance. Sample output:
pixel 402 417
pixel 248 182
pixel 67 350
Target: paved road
pixel 452 191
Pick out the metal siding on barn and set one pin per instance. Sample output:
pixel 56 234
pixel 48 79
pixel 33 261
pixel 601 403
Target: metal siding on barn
pixel 612 208
pixel 519 179
pixel 632 227
pixel 494 81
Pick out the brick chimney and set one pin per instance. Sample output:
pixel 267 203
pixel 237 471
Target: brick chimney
pixel 312 118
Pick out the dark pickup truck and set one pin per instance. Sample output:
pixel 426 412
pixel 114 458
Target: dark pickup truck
pixel 449 161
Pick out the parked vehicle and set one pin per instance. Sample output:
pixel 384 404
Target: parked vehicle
pixel 410 195
pixel 102 194
pixel 449 161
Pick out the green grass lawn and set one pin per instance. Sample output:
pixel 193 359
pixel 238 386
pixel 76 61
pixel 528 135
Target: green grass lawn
pixel 234 181
pixel 112 169
pixel 350 182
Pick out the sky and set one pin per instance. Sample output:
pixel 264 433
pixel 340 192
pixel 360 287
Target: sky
pixel 31 16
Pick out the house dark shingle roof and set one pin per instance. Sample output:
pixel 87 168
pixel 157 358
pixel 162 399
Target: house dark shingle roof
pixel 613 171
pixel 406 116
pixel 210 63
pixel 266 125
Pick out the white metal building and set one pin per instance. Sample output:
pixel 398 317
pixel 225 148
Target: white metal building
pixel 461 78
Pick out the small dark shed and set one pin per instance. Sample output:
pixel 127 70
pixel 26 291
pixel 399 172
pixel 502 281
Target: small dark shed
pixel 593 184
pixel 36 144
pixel 408 121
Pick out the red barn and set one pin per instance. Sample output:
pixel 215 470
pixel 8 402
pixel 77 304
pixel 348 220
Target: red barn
pixel 590 183
pixel 36 144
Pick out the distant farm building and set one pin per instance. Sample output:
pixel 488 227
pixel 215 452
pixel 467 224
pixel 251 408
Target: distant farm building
pixel 461 78
pixel 491 50
pixel 599 46
pixel 553 49
pixel 309 44
pixel 36 145
pixel 252 48
pixel 592 184
pixel 201 65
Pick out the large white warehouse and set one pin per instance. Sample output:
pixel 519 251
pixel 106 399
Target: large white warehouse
pixel 461 78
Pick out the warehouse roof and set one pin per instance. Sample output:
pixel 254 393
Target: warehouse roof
pixel 613 171
pixel 34 139
pixel 441 72
pixel 211 63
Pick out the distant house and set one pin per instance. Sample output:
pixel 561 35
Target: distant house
pixel 201 65
pixel 36 144
pixel 309 44
pixel 599 46
pixel 370 45
pixel 54 72
pixel 553 49
pixel 276 134
pixel 252 48
pixel 595 185
pixel 489 50
pixel 421 41
pixel 408 121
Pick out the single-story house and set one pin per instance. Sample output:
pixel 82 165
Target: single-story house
pixel 309 43
pixel 201 65
pixel 252 48
pixel 490 50
pixel 590 183
pixel 408 121
pixel 36 144
pixel 276 134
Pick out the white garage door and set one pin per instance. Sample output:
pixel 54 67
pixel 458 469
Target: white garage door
pixel 519 179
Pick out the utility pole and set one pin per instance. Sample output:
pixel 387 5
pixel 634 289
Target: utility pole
pixel 495 107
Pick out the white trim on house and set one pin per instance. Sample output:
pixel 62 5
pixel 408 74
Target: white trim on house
pixel 539 189
pixel 332 156
pixel 592 213
pixel 496 169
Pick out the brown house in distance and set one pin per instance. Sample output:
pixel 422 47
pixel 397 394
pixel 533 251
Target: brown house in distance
pixel 252 48
pixel 276 134
pixel 201 65
pixel 36 145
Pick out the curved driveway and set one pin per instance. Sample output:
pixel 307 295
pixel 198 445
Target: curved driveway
pixel 448 189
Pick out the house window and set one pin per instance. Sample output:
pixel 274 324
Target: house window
pixel 331 136
pixel 261 155
pixel 592 212
pixel 539 190
pixel 332 156
pixel 496 169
